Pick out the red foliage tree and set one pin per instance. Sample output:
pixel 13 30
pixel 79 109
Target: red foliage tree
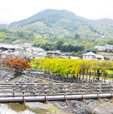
pixel 17 64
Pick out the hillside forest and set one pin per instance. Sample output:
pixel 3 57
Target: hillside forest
pixel 59 30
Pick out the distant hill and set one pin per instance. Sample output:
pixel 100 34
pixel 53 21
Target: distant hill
pixel 51 23
pixel 3 25
pixel 52 16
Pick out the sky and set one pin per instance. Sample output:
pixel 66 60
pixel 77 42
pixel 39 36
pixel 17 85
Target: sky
pixel 15 10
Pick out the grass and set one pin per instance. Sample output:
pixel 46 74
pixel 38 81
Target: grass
pixel 105 53
pixel 54 108
pixel 20 107
pixel 16 107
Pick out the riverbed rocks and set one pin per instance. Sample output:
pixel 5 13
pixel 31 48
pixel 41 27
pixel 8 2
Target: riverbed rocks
pixel 51 77
pixel 78 107
pixel 24 80
pixel 104 108
pixel 6 74
pixel 88 107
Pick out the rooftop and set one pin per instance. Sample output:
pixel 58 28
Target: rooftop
pixel 54 52
pixel 89 53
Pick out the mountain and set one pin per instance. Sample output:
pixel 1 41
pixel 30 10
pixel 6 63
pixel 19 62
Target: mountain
pixel 57 24
pixel 51 16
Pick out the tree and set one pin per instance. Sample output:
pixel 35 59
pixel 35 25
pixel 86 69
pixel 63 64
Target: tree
pixel 110 41
pixel 77 36
pixel 59 44
pixel 87 45
pixel 18 65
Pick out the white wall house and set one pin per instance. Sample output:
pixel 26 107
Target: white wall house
pixel 92 56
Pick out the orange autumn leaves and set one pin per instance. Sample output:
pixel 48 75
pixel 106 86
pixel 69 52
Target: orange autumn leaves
pixel 16 63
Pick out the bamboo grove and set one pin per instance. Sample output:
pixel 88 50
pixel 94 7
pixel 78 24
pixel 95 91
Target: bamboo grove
pixel 74 68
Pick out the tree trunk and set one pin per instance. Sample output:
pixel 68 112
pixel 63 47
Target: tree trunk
pixel 37 67
pixel 89 76
pixel 102 77
pixel 86 75
pixel 80 75
pixel 83 76
pixel 94 76
pixel 98 74
pixel 67 76
pixel 112 78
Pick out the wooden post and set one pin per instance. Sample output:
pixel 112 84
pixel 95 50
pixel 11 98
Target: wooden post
pixel 46 101
pixel 83 99
pixel 66 101
pixel 13 91
pixel 98 97
pixel 24 103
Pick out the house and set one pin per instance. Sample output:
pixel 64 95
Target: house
pixel 109 48
pixel 70 57
pixel 53 54
pixel 9 47
pixel 34 50
pixel 100 48
pixel 73 57
pixel 65 57
pixel 40 55
pixel 21 51
pixel 92 56
pixel 100 57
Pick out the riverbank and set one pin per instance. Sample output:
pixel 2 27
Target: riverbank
pixel 104 106
pixel 90 106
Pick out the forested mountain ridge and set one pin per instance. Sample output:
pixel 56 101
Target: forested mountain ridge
pixel 52 16
pixel 54 25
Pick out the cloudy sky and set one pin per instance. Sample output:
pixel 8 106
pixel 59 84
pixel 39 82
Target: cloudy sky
pixel 15 10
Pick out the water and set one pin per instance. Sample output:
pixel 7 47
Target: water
pixel 16 108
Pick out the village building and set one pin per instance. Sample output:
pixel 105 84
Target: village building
pixel 65 57
pixel 100 48
pixel 21 51
pixel 92 56
pixel 8 47
pixel 106 48
pixel 74 57
pixel 109 48
pixel 53 54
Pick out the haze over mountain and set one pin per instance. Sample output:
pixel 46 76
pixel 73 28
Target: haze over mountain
pixel 52 22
